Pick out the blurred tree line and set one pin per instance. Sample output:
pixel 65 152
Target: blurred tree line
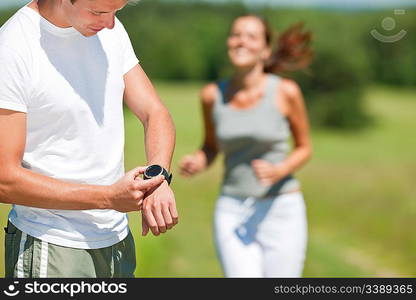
pixel 186 41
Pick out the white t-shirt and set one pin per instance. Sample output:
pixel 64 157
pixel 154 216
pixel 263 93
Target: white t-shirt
pixel 71 89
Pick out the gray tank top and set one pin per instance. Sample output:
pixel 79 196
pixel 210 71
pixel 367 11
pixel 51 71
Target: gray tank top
pixel 259 132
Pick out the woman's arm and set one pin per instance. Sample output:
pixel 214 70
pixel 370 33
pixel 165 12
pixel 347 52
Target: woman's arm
pixel 201 159
pixel 292 105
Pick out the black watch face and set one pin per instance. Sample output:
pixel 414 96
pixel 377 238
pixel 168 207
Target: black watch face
pixel 153 171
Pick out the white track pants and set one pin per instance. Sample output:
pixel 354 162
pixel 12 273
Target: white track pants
pixel 261 237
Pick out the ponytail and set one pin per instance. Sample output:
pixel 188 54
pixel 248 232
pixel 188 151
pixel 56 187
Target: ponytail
pixel 293 51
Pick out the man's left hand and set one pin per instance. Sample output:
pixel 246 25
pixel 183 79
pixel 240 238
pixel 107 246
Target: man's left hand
pixel 159 212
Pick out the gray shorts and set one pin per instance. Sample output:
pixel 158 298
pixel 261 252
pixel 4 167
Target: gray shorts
pixel 29 257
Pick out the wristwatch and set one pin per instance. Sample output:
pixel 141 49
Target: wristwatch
pixel 155 170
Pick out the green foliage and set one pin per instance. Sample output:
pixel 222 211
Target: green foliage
pixel 334 84
pixel 180 41
pixel 5 15
pixel 394 62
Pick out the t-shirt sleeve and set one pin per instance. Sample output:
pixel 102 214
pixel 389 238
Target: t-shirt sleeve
pixel 14 81
pixel 129 57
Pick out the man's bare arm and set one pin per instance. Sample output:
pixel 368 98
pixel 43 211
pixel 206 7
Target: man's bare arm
pixel 159 206
pixel 142 99
pixel 24 187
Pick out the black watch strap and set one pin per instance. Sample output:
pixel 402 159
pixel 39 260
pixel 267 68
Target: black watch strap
pixel 168 176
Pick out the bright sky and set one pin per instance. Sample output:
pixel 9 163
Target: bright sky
pixel 356 4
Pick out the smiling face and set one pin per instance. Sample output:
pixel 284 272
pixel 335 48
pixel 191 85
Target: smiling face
pixel 91 16
pixel 246 42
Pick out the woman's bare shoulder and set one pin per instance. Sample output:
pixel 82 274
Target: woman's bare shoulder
pixel 208 93
pixel 290 88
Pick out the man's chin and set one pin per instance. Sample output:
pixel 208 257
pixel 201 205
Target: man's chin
pixel 88 34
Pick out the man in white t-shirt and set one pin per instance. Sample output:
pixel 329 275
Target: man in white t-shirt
pixel 66 68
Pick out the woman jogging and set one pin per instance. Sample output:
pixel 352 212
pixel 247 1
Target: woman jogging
pixel 260 219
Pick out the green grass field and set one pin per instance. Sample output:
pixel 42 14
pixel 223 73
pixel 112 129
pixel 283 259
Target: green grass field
pixel 358 188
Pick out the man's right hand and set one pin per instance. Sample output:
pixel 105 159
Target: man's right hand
pixel 127 194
